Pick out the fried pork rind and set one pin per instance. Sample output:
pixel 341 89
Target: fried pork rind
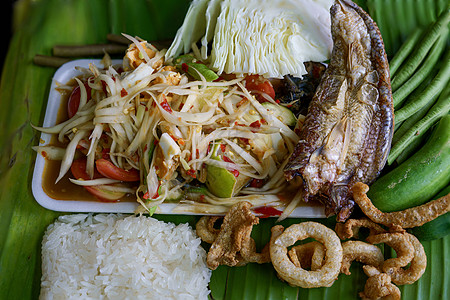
pixel 362 252
pixel 379 286
pixel 417 267
pixel 371 270
pixel 402 246
pixel 205 228
pixel 233 245
pixel 308 256
pixel 408 218
pixel 297 276
pixel 350 229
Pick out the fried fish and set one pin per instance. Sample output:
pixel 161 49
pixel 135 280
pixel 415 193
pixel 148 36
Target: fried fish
pixel 348 129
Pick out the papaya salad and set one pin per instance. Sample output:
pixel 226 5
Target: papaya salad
pixel 173 130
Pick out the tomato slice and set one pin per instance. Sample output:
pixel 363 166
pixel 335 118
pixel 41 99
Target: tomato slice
pixel 78 170
pixel 74 99
pixel 104 195
pixel 260 84
pixel 108 169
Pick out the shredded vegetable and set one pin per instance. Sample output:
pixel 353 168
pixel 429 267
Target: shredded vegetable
pixel 151 117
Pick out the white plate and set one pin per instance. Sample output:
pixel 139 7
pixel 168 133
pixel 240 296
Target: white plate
pixel 63 75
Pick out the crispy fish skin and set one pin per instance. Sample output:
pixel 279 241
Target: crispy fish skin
pixel 348 129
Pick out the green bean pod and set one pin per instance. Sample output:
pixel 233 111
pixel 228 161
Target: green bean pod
pixel 429 94
pixel 425 69
pixel 407 47
pixel 416 58
pixel 439 109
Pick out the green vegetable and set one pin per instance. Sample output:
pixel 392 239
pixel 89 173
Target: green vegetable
pixel 437 228
pixel 198 190
pixel 428 95
pixel 420 177
pixel 425 69
pixel 439 109
pixel 399 127
pixel 407 47
pixel 188 64
pixel 402 127
pixel 412 147
pixel 284 114
pixel 195 68
pixel 220 181
pixel 182 59
pixel 437 29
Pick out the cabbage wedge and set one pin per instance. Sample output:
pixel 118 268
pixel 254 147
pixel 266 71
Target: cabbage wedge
pixel 248 37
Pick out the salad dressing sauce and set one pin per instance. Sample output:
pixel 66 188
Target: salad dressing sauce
pixel 64 189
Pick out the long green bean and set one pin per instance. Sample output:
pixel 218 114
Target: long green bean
pixel 439 109
pixel 429 94
pixel 411 148
pixel 402 127
pixel 406 48
pixel 427 66
pixel 416 58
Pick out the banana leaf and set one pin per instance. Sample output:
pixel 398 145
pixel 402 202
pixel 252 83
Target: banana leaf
pixel 24 88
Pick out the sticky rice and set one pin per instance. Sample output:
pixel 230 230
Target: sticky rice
pixel 87 256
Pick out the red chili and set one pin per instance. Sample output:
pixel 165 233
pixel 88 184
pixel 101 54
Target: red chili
pixel 227 159
pixel 146 195
pixel 234 172
pixel 184 67
pixel 256 124
pixel 267 211
pixel 104 87
pixel 165 105
pixel 123 92
pixel 244 141
pixel 191 172
pixel 156 195
pixel 257 183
